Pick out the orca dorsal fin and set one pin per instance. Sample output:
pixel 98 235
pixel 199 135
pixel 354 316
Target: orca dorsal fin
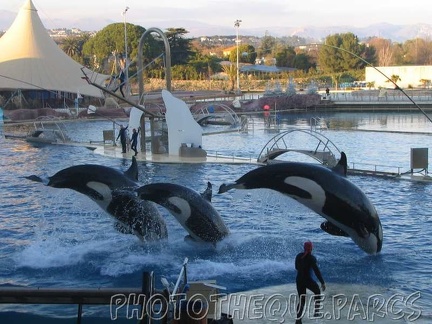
pixel 342 166
pixel 208 193
pixel 132 172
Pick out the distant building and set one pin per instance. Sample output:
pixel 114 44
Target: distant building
pixel 410 76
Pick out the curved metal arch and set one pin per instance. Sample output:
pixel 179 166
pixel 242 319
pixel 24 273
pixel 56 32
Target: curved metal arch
pixel 167 60
pixel 278 145
pixel 204 113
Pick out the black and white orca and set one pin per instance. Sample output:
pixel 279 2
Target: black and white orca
pixel 192 210
pixel 327 192
pixel 114 192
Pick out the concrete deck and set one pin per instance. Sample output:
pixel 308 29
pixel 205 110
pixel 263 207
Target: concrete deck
pixel 116 152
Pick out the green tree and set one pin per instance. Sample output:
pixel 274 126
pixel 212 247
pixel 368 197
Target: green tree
pixel 73 46
pixel 267 46
pixel 180 46
pixel 70 45
pixel 285 56
pixel 425 83
pixel 399 57
pixel 342 53
pixel 111 40
pixel 394 79
pixel 205 64
pixel 247 54
pixel 184 72
pixel 303 62
pixel 231 72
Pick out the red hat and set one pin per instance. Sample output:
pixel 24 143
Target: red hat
pixel 307 248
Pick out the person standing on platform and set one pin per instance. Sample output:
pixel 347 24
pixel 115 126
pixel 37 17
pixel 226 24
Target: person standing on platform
pixel 134 140
pixel 122 136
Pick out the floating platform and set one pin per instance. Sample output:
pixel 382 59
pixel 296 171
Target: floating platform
pixel 116 152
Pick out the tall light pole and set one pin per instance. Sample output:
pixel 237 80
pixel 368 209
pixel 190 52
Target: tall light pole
pixel 126 68
pixel 237 25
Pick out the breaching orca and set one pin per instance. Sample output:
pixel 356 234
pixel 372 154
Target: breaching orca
pixel 327 192
pixel 114 192
pixel 193 210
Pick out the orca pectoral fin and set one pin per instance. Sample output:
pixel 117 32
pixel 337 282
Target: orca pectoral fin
pixel 333 229
pixel 44 180
pixel 225 187
pixel 362 230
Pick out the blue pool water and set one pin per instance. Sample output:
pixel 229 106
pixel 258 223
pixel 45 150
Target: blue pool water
pixel 59 238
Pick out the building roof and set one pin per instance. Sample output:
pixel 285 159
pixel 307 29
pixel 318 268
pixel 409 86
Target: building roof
pixel 30 59
pixel 265 68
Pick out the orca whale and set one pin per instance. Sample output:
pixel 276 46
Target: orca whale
pixel 113 191
pixel 192 210
pixel 327 192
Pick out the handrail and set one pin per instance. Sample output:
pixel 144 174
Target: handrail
pixel 76 296
pixel 38 295
pixel 274 142
pixel 183 274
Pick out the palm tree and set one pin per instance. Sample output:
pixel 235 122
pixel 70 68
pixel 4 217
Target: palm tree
pixel 394 78
pixel 73 46
pixel 70 45
pixel 231 72
pixel 425 82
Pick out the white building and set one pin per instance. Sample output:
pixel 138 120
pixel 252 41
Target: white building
pixel 410 76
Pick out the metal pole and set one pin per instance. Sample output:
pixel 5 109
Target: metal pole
pixel 126 67
pixel 147 289
pixel 79 317
pixel 237 25
pixel 167 60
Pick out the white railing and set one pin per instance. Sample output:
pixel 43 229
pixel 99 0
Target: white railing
pixel 390 97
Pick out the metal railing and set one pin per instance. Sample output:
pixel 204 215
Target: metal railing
pixel 102 296
pixel 383 97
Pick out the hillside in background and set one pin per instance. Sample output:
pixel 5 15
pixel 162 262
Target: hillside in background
pixel 397 33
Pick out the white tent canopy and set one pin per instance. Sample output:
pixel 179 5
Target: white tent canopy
pixel 31 60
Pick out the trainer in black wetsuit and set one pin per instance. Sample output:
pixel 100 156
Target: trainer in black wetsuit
pixel 134 140
pixel 122 136
pixel 305 262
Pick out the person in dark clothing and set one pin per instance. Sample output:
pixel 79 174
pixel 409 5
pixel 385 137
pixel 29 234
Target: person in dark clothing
pixel 122 136
pixel 305 262
pixel 134 140
pixel 122 81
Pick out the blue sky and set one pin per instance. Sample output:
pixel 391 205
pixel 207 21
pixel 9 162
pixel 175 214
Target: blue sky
pixel 253 13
